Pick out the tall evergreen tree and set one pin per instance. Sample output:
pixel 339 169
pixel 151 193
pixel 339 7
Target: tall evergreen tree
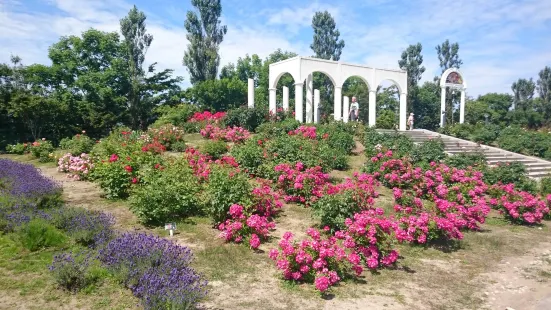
pixel 412 62
pixel 523 92
pixel 326 44
pixel 544 92
pixel 204 35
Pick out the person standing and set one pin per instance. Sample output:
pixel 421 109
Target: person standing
pixel 410 121
pixel 354 110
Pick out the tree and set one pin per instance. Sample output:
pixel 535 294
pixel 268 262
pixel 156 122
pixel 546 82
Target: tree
pixel 523 92
pixel 448 55
pixel 544 91
pixel 204 35
pixel 411 61
pixel 326 44
pixel 219 95
pixel 427 106
pixel 145 91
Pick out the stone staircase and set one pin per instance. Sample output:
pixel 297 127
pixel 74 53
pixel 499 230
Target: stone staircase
pixel 536 167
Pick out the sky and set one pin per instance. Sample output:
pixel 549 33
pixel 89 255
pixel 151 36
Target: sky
pixel 499 40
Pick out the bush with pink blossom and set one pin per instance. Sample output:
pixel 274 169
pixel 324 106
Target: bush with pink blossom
pixel 229 134
pixel 76 167
pixel 518 207
pixel 299 184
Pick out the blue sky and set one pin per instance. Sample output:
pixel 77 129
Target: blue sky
pixel 500 40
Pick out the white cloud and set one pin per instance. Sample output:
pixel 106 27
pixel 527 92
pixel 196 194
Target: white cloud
pixel 293 18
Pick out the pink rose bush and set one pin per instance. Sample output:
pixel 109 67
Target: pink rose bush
pixel 308 132
pixel 299 184
pixel 207 116
pixel 240 226
pixel 76 167
pixel 231 134
pixel 517 206
pixel 201 163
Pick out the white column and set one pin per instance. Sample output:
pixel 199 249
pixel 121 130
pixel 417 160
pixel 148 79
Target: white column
pixel 372 108
pixel 272 103
pixel 250 100
pixel 403 108
pixel 316 106
pixel 298 102
pixel 462 107
pixel 338 108
pixel 285 98
pixel 345 108
pixel 442 105
pixel 309 99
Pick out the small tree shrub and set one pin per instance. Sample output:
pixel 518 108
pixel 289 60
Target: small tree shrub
pixel 429 151
pixel 18 149
pixel 78 144
pixel 246 117
pixel 545 186
pixel 510 173
pixel 386 120
pixel 43 150
pixel 74 271
pixel 165 194
pixel 177 115
pixel 226 187
pixel 477 160
pixel 215 148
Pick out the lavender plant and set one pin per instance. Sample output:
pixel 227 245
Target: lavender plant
pixel 155 269
pixel 88 228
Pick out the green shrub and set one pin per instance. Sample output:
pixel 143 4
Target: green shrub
pixel 19 148
pixel 179 146
pixel 225 188
pixel 249 155
pixel 464 160
pixel 511 172
pixel 461 131
pixel 42 150
pixel 166 195
pixel 545 185
pixel 77 145
pixel 246 117
pixel 339 136
pixel 429 151
pixel 177 115
pixel 332 210
pixel 332 158
pixel 386 120
pixel 215 148
pixel 39 234
pixel 276 129
pixel 513 139
pixel 113 179
pixel 487 134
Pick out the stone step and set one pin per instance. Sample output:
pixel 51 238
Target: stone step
pixel 539 175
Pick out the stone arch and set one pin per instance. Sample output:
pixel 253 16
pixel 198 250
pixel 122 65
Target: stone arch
pixel 454 79
pixel 273 84
pixel 362 97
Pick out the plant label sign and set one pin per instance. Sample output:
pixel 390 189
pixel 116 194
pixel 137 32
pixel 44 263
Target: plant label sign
pixel 171 227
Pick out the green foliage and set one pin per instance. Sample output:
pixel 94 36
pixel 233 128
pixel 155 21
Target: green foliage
pixel 249 155
pixel 166 195
pixel 215 148
pixel 245 117
pixel 511 172
pixel 77 145
pixel 429 151
pixel 486 134
pixel 340 136
pixel 205 34
pixel 326 43
pixel 400 145
pixel 19 148
pixel 225 188
pixel 461 131
pixel 177 115
pixel 386 119
pixel 75 271
pixel 464 160
pixel 113 179
pixel 219 95
pixel 39 234
pixel 276 129
pixel 545 185
pixel 42 150
pixel 332 210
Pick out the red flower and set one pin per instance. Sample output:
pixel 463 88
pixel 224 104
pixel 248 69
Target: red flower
pixel 259 142
pixel 128 168
pixel 144 149
pixel 113 158
pixel 134 180
pixel 325 136
pixel 157 166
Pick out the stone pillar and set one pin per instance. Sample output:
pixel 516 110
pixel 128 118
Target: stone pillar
pixel 309 99
pixel 316 106
pixel 298 102
pixel 403 110
pixel 442 105
pixel 345 108
pixel 250 101
pixel 272 103
pixel 338 104
pixel 372 108
pixel 462 107
pixel 285 98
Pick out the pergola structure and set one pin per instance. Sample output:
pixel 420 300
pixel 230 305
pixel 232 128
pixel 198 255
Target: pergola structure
pixel 453 79
pixel 302 68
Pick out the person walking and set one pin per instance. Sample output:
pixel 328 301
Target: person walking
pixel 354 110
pixel 410 121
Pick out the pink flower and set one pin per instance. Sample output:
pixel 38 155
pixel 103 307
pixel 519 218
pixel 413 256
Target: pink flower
pixel 273 254
pixel 322 283
pixel 254 241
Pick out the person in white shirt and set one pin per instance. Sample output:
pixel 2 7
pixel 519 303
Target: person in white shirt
pixel 354 110
pixel 410 121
